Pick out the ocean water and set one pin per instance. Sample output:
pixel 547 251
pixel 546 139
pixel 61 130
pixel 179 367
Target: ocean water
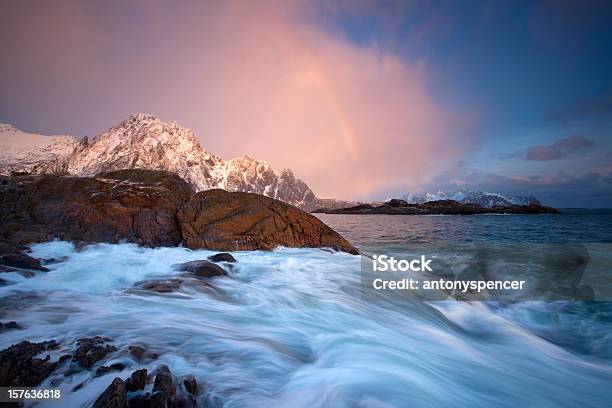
pixel 288 328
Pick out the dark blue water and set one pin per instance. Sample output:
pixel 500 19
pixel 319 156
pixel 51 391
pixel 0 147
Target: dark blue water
pixel 391 231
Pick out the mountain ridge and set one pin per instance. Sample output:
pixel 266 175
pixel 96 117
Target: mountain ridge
pixel 145 141
pixel 467 196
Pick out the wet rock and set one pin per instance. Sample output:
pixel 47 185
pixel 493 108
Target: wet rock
pixel 78 386
pixel 92 350
pixel 137 352
pixel 6 248
pixel 63 358
pixel 148 400
pixel 115 396
pixel 51 261
pixel 180 401
pixel 190 384
pixel 138 380
pixel 12 325
pixel 166 286
pixel 22 272
pixel 221 220
pixel 21 261
pixel 164 382
pixel 201 268
pixel 103 370
pixel 222 257
pixel 20 367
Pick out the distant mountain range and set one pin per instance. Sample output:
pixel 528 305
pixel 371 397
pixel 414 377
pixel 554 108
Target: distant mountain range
pixel 144 141
pixel 464 196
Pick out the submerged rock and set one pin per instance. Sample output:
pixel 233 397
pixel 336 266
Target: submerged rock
pixel 21 261
pixel 165 286
pixel 19 366
pixel 115 396
pixel 201 268
pixel 137 352
pixel 222 257
pixel 217 219
pixel 12 325
pixel 103 370
pixel 92 350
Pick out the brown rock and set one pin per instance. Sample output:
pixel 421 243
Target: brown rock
pixel 152 208
pixel 103 370
pixel 138 380
pixel 217 219
pixel 201 268
pixel 92 350
pixel 191 385
pixel 21 261
pixel 115 396
pixel 136 205
pixel 164 382
pixel 20 368
pixel 137 352
pixel 222 257
pixel 165 286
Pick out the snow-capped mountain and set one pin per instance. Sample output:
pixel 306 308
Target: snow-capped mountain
pixel 30 152
pixel 464 196
pixel 144 141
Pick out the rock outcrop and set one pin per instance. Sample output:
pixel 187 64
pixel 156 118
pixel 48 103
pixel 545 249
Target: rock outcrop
pixel 152 208
pixel 21 366
pixel 217 219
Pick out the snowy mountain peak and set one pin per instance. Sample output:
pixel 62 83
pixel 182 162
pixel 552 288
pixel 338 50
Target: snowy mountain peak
pixel 466 196
pixel 145 141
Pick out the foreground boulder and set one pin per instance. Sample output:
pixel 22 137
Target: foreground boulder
pixel 217 219
pixel 152 208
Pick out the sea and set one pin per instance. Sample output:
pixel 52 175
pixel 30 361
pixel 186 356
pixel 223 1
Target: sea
pixel 291 328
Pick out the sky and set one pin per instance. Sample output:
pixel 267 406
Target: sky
pixel 361 99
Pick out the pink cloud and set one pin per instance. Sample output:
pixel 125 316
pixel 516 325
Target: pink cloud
pixel 257 78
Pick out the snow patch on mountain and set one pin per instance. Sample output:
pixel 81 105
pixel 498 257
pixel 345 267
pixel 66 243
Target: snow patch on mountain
pixel 30 152
pixel 484 199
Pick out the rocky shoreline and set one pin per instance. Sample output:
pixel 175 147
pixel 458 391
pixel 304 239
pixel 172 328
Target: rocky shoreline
pixel 30 364
pixel 152 208
pixel 441 207
pixel 149 208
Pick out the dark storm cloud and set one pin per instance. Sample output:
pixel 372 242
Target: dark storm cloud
pixel 557 150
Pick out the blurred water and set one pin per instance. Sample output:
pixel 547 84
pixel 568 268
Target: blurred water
pixel 288 328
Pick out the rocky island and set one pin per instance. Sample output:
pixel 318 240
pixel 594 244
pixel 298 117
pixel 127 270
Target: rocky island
pixel 443 207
